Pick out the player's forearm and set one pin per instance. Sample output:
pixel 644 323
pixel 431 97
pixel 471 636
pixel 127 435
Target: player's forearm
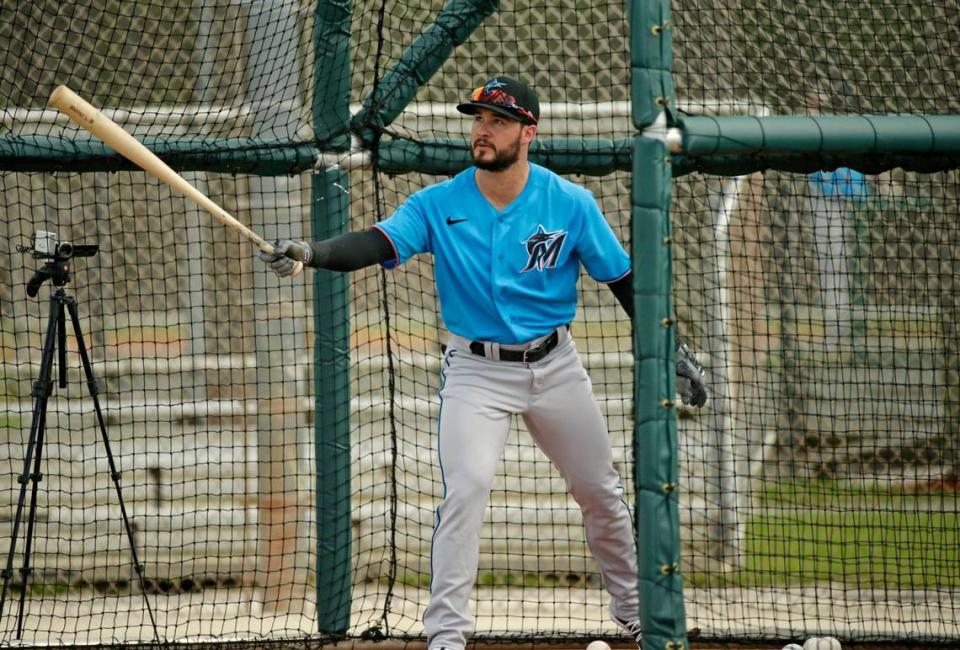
pixel 350 251
pixel 623 290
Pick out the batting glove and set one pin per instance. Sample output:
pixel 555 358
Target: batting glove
pixel 283 261
pixel 690 378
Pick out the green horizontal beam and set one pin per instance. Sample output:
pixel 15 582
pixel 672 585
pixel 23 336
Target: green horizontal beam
pixel 592 157
pixel 728 145
pixel 40 153
pixel 705 135
pixel 866 163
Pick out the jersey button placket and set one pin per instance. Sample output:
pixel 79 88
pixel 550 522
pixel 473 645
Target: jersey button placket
pixel 499 270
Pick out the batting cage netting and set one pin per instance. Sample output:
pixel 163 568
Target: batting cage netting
pixel 193 449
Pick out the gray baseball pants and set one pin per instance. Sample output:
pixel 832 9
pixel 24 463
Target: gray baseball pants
pixel 478 397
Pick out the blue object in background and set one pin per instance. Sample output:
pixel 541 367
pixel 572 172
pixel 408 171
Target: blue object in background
pixel 842 182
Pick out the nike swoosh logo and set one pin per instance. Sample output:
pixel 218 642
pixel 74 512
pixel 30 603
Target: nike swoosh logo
pixel 451 221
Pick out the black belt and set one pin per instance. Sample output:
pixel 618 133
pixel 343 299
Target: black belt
pixel 528 355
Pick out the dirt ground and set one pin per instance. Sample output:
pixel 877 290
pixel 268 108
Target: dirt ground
pixel 235 615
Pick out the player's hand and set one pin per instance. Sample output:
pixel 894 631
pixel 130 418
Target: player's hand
pixel 283 261
pixel 690 378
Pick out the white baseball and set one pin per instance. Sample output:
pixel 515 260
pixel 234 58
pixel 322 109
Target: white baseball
pixel 821 643
pixel 833 642
pixel 792 646
pixel 598 645
pixel 674 139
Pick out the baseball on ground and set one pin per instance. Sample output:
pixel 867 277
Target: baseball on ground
pixel 821 643
pixel 598 645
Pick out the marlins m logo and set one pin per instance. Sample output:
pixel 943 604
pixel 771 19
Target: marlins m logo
pixel 543 249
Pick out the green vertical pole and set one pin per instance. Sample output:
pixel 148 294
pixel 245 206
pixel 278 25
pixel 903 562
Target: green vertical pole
pixel 330 208
pixel 655 427
pixel 332 380
pixel 651 60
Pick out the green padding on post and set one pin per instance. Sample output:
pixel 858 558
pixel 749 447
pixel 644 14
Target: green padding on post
pixel 650 229
pixel 655 431
pixel 660 613
pixel 650 329
pixel 42 153
pixel 454 24
pixel 330 217
pixel 331 73
pixel 651 60
pixel 648 104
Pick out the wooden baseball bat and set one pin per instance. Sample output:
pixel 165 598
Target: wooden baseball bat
pixel 89 118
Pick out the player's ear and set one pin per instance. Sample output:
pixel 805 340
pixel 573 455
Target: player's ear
pixel 528 133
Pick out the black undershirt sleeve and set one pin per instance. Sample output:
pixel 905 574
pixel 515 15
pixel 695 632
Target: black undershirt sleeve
pixel 623 290
pixel 351 251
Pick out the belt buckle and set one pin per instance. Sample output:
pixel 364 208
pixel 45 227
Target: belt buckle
pixel 536 349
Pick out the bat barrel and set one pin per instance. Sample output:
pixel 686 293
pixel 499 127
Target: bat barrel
pixel 89 118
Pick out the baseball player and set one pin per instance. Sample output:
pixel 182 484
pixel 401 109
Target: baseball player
pixel 508 239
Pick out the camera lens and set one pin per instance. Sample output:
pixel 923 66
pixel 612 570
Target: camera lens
pixel 65 249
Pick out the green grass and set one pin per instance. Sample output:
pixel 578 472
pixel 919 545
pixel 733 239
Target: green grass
pixel 892 550
pixel 833 494
pixel 8 421
pixel 848 534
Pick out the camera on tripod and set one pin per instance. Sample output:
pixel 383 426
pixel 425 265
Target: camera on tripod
pixel 47 246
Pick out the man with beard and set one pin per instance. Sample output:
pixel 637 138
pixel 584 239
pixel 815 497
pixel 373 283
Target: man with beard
pixel 508 239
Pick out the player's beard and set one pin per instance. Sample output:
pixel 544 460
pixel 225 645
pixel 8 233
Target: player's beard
pixel 502 158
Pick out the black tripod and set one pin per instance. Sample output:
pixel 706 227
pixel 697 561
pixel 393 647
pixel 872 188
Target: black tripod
pixel 54 344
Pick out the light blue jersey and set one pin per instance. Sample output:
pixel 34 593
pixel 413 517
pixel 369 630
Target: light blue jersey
pixel 511 276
